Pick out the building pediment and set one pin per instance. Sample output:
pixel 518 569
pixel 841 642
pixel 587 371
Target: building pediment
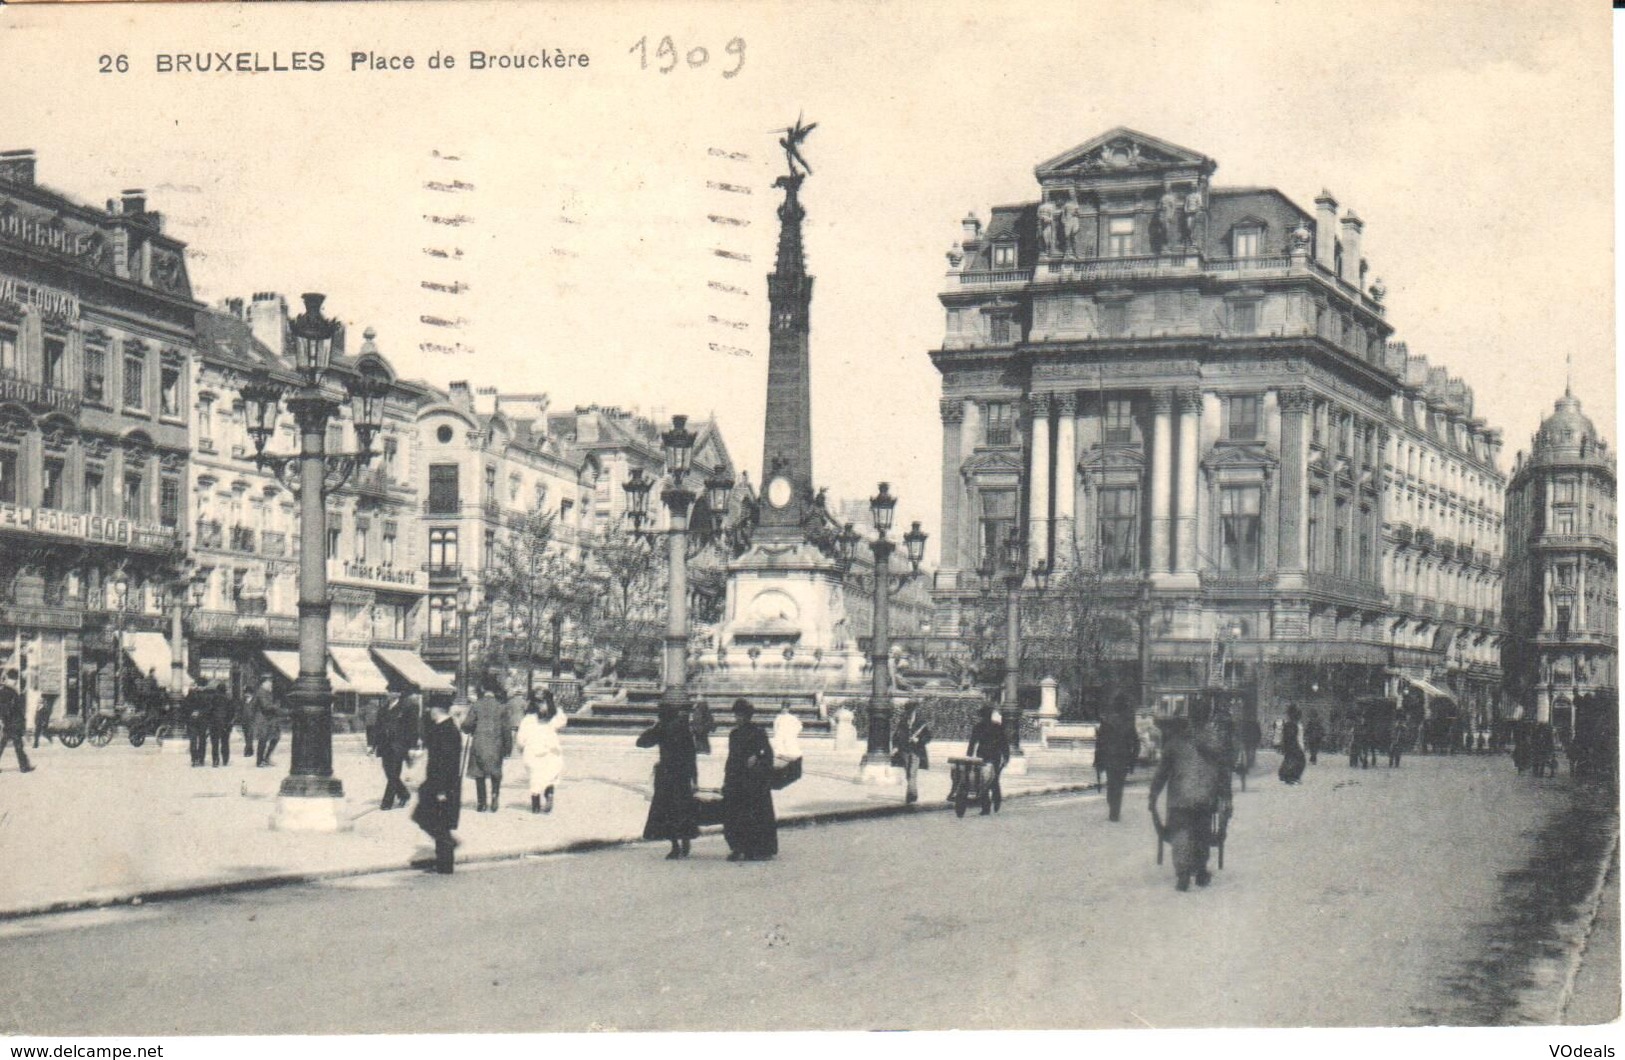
pixel 1112 458
pixel 1122 150
pixel 1249 455
pixel 993 462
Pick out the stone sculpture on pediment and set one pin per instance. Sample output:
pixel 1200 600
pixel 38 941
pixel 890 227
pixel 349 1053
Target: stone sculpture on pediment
pixel 1195 218
pixel 1047 217
pixel 1072 228
pixel 1167 229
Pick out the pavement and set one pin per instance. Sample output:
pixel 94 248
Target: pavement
pixel 112 825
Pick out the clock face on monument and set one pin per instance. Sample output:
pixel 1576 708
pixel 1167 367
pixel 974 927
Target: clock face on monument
pixel 779 492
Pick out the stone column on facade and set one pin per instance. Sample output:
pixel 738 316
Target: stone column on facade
pixel 970 436
pixel 1190 408
pixel 953 488
pixel 1295 408
pixel 1038 483
pixel 1162 403
pixel 1066 477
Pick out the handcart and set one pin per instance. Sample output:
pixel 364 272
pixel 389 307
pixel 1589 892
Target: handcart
pixel 1218 830
pixel 968 779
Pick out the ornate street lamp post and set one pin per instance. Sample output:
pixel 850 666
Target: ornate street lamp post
pixel 877 767
pixel 311 797
pixel 681 546
pixel 187 589
pixel 1013 569
pixel 465 618
pixel 120 585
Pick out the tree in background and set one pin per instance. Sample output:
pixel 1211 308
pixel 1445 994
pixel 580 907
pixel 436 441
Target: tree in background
pixel 627 577
pixel 533 586
pixel 1070 631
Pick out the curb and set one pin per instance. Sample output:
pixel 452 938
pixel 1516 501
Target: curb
pixel 580 846
pixel 1591 906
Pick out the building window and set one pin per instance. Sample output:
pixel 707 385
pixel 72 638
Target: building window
pixel 513 489
pixel 1239 512
pixel 1315 499
pixel 1340 565
pixel 51 484
pixel 360 542
pixel 1114 320
pixel 56 362
pixel 387 556
pixel 1119 528
pixel 8 477
pixel 9 367
pixel 390 452
pixel 333 535
pixel 1119 237
pixel 1365 546
pixel 1004 256
pixel 1564 492
pixel 93 491
pixel 1345 436
pixel 205 420
pixel 1001 329
pixel 1563 521
pixel 1244 318
pixel 134 495
pixel 998 520
pixel 443 548
pixel 1119 427
pixel 1246 241
pixel 998 423
pixel 1317 423
pixel 95 372
pixel 135 381
pixel 169 502
pixel 169 393
pixel 490 549
pixel 442 615
pixel 1241 417
pixel 443 489
pixel 491 482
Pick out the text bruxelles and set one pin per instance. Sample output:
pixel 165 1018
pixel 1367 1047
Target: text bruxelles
pixel 363 61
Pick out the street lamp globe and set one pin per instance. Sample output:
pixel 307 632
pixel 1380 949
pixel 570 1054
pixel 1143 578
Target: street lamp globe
pixel 121 588
pixel 718 490
pixel 465 596
pixel 637 488
pixel 914 543
pixel 882 506
pixel 846 544
pixel 679 446
pixel 1013 553
pixel 262 401
pixel 984 573
pixel 313 338
pixel 368 392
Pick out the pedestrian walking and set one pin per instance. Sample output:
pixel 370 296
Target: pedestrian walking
pixel 1396 744
pixel 395 736
pixel 1314 735
pixel 370 710
pixel 245 718
pixel 787 733
pixel 12 719
pixel 1293 758
pixel 196 709
pixel 540 746
pixel 267 722
pixel 440 797
pixel 222 714
pixel 676 778
pixel 749 824
pixel 702 724
pixel 1195 770
pixel 490 741
pixel 989 742
pixel 42 720
pixel 1117 749
pixel 909 742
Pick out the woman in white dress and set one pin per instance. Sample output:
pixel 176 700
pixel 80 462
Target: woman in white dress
pixel 543 752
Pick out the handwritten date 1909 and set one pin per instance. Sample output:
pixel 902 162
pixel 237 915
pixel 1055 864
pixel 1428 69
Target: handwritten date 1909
pixel 666 55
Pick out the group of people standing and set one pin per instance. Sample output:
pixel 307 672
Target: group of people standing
pixel 749 824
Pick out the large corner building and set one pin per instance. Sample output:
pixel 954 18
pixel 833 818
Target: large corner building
pixel 1194 390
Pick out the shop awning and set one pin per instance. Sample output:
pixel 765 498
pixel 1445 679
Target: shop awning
pixel 1430 690
pixel 411 668
pixel 358 668
pixel 287 664
pixel 149 652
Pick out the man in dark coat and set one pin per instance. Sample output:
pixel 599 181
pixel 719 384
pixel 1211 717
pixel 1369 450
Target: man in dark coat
pixel 441 795
pixel 12 719
pixel 267 722
pixel 394 741
pixel 1117 748
pixel 989 743
pixel 197 709
pixel 487 725
pixel 702 724
pixel 749 825
pixel 1314 735
pixel 222 714
pixel 1195 768
pixel 42 720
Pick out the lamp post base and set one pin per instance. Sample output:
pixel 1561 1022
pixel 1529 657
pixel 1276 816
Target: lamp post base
pixel 311 813
pixel 877 771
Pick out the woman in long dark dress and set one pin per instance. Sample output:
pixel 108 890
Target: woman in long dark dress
pixel 748 823
pixel 671 814
pixel 1292 756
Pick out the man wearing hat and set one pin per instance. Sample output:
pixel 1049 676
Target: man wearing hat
pixel 1117 748
pixel 11 718
pixel 748 822
pixel 440 797
pixel 1195 769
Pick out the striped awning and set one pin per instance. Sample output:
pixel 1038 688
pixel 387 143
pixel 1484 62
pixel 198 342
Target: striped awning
pixel 411 668
pixel 358 668
pixel 287 664
pixel 150 654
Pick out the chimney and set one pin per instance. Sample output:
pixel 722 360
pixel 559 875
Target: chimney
pixel 1326 231
pixel 971 229
pixel 268 321
pixel 1352 227
pixel 17 167
pixel 133 202
pixel 461 397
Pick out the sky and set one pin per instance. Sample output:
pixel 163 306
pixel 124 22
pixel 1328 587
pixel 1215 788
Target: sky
pixel 1474 139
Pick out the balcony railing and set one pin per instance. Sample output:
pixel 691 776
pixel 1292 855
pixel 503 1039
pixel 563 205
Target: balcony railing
pixel 1405 603
pixel 210 534
pixel 1403 534
pixel 1424 540
pixel 242 539
pixel 492 509
pixel 375 481
pixel 443 571
pixel 442 645
pixel 985 279
pixel 40 396
pixel 442 506
pixel 273 543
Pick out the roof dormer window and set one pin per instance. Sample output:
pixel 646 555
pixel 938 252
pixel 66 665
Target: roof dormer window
pixel 1004 256
pixel 1247 240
